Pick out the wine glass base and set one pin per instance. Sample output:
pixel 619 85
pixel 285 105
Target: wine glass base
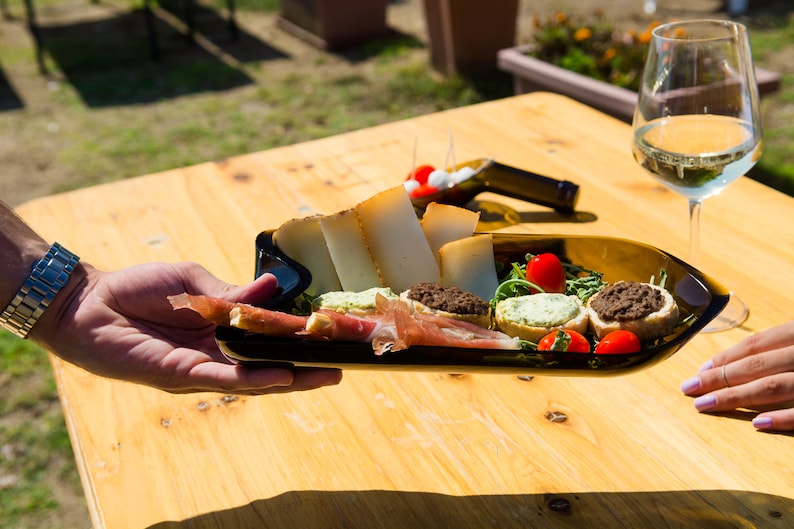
pixel 733 315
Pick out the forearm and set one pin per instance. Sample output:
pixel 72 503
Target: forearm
pixel 21 247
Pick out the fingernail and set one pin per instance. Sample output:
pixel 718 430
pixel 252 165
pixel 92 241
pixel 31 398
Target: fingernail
pixel 706 402
pixel 707 365
pixel 763 423
pixel 690 385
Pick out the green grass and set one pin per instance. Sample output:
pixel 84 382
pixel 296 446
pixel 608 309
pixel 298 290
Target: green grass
pixel 34 443
pixel 772 40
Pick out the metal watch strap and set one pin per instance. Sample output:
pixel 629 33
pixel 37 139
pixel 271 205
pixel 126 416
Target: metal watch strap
pixel 49 275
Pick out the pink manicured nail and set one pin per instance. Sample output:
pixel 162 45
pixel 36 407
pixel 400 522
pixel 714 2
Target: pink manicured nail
pixel 707 365
pixel 706 402
pixel 763 423
pixel 689 385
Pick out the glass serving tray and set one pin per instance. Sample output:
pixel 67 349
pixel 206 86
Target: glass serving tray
pixel 699 297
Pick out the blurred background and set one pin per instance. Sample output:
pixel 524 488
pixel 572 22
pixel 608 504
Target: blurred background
pixel 116 89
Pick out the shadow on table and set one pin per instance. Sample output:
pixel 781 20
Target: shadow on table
pixel 108 61
pixel 9 99
pixel 373 509
pixel 496 215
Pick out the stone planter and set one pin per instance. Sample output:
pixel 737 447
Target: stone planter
pixel 334 24
pixel 530 75
pixel 464 35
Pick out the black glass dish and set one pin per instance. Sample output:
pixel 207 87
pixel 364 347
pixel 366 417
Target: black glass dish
pixel 699 297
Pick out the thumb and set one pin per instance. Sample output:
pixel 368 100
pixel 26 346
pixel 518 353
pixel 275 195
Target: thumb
pixel 261 289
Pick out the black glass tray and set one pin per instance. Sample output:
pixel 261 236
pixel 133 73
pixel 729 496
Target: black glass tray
pixel 698 296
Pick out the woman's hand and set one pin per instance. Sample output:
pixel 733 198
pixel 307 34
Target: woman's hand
pixel 121 325
pixel 756 373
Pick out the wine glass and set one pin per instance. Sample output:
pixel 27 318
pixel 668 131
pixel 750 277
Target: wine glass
pixel 697 125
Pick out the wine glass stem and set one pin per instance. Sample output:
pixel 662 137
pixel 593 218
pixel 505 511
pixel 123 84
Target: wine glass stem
pixel 694 231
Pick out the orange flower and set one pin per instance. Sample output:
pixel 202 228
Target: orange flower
pixel 582 34
pixel 560 17
pixel 609 54
pixel 645 36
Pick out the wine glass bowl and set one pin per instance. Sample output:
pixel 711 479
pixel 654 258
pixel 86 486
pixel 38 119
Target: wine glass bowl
pixel 697 124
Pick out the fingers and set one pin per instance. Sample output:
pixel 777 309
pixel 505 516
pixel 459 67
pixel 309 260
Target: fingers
pixel 198 280
pixel 766 391
pixel 309 379
pixel 777 337
pixel 263 288
pixel 241 380
pixel 756 374
pixel 741 371
pixel 779 420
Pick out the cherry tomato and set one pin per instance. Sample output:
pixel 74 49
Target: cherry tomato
pixel 618 342
pixel 423 190
pixel 564 340
pixel 545 270
pixel 421 173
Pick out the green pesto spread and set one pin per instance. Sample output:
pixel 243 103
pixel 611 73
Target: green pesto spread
pixel 352 301
pixel 539 310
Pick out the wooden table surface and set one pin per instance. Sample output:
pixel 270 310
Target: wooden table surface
pixel 396 449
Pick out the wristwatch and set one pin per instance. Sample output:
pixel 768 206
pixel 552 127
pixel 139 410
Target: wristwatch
pixel 49 275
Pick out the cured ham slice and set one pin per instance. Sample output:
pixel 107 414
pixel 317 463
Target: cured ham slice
pixel 417 328
pixel 320 325
pixel 215 310
pixel 393 328
pixel 240 315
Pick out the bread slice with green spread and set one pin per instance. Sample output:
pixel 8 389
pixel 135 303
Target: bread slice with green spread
pixel 533 316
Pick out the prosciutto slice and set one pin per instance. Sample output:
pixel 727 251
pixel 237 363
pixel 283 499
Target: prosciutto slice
pixel 393 327
pixel 419 328
pixel 241 315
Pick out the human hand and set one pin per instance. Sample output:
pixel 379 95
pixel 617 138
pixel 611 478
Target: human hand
pixel 121 325
pixel 756 373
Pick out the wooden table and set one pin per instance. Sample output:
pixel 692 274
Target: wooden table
pixel 418 449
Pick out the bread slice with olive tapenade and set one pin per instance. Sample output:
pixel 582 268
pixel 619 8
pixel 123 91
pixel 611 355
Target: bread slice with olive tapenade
pixel 449 302
pixel 647 310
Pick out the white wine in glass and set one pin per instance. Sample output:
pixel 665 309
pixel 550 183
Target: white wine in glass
pixel 697 125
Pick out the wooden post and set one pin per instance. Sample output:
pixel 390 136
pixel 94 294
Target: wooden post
pixel 465 35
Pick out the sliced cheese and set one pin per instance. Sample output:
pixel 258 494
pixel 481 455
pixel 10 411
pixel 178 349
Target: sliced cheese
pixel 303 240
pixel 469 265
pixel 443 223
pixel 349 253
pixel 397 244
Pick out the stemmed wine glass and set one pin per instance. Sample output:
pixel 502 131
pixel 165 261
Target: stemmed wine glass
pixel 697 125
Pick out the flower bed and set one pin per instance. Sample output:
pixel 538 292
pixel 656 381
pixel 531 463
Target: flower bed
pixel 593 63
pixel 595 49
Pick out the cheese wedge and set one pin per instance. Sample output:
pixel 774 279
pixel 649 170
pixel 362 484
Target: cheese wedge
pixel 469 265
pixel 303 240
pixel 395 239
pixel 349 253
pixel 443 223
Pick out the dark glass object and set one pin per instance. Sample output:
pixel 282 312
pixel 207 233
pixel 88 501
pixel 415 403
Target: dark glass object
pixel 700 299
pixel 560 195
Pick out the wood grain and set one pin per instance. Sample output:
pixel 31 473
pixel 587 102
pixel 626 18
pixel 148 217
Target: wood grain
pixel 390 449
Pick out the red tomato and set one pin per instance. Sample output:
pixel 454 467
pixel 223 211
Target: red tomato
pixel 422 190
pixel 618 342
pixel 421 173
pixel 564 340
pixel 545 270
